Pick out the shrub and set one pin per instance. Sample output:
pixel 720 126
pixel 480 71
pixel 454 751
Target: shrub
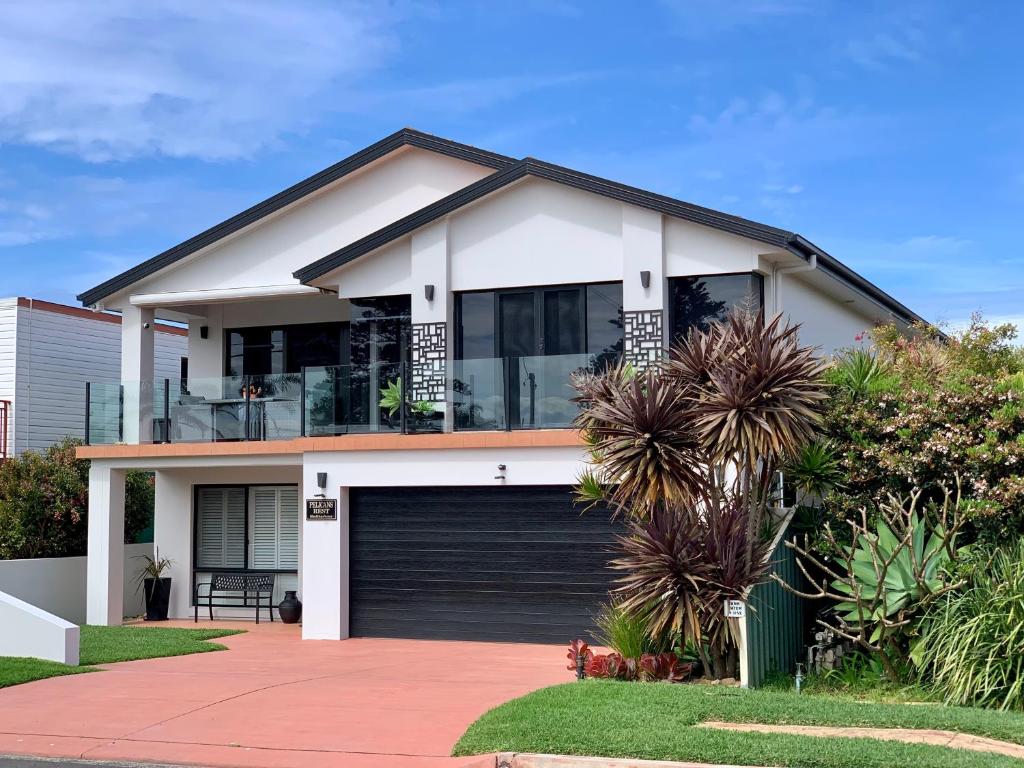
pixel 886 580
pixel 973 645
pixel 650 667
pixel 44 501
pixel 917 410
pixel 628 634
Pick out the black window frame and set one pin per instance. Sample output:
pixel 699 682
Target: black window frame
pixel 538 306
pixel 195 527
pixel 343 326
pixel 672 332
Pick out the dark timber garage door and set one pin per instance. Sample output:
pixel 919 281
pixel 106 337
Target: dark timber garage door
pixel 517 563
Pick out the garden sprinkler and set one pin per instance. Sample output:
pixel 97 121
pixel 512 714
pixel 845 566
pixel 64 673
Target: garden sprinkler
pixel 799 676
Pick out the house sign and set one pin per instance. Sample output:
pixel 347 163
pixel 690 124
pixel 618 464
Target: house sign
pixel 321 509
pixel 734 609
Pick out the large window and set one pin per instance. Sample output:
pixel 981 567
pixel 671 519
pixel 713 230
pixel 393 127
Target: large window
pixel 516 351
pixel 267 351
pixel 700 301
pixel 540 322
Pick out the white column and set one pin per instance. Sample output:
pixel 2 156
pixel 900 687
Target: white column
pixel 432 318
pixel 137 373
pixel 644 308
pixel 105 566
pixel 642 251
pixel 172 535
pixel 325 563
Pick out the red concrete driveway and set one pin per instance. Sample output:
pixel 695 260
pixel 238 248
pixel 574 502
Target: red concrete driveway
pixel 273 700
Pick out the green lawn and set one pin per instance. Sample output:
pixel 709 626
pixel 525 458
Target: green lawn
pixel 106 645
pixel 656 721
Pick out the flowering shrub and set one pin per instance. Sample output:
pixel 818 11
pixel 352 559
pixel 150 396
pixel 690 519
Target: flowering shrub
pixel 931 411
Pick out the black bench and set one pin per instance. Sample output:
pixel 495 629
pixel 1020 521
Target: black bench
pixel 225 589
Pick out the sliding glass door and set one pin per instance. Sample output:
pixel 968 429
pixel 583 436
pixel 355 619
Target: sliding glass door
pixel 516 351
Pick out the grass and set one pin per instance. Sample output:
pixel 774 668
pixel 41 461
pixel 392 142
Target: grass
pixel 107 645
pixel 657 721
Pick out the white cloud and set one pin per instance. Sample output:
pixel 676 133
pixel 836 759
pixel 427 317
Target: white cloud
pixel 214 80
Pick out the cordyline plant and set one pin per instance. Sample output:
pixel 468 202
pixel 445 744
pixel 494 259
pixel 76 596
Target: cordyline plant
pixel 887 578
pixel 689 452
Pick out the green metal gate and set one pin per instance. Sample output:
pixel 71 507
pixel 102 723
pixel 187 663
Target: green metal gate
pixel 775 622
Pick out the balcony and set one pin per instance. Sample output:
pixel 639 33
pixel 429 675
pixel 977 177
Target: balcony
pixel 517 393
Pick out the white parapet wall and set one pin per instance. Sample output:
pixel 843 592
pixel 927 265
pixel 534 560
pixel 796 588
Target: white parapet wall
pixel 57 584
pixel 31 631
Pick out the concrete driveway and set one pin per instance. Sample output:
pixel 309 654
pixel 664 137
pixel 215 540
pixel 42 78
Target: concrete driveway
pixel 273 700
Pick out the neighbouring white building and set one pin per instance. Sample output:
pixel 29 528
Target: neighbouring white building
pixel 48 352
pixel 377 405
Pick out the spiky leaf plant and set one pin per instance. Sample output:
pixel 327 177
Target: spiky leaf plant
pixel 973 645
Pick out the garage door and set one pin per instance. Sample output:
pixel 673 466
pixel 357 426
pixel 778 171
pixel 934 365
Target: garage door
pixel 518 564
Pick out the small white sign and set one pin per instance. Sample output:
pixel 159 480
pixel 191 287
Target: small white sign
pixel 735 609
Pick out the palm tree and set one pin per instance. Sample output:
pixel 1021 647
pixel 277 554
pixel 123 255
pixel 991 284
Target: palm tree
pixel 690 452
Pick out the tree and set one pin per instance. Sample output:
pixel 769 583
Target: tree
pixel 689 451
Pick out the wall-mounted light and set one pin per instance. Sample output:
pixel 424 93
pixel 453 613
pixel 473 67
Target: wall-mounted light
pixel 645 278
pixel 204 331
pixel 428 292
pixel 321 483
pixel 501 472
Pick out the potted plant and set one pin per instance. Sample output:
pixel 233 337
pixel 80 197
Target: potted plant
pixel 156 587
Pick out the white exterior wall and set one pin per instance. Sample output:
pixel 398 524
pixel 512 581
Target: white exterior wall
pixel 53 355
pixel 325 543
pixel 535 233
pixel 826 322
pixel 268 253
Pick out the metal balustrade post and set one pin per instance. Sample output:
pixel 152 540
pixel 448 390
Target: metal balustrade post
pixel 167 410
pixel 302 402
pixel 88 412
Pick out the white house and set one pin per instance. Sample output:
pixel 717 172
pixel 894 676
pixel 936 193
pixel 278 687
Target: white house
pixel 47 354
pixel 377 407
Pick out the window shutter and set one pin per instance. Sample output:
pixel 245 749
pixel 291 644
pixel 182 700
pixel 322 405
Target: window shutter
pixel 288 533
pixel 264 528
pixel 220 538
pixel 234 513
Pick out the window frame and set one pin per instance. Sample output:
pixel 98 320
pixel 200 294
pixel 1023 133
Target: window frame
pixel 195 569
pixel 671 310
pixel 343 327
pixel 538 308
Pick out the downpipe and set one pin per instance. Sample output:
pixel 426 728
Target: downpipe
pixel 792 269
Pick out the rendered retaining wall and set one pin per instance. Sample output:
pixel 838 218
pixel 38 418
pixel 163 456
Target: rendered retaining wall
pixel 30 631
pixel 57 584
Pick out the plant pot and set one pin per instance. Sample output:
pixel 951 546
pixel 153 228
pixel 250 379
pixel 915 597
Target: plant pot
pixel 290 609
pixel 158 596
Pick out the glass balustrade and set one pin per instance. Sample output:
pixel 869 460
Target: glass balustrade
pixel 484 394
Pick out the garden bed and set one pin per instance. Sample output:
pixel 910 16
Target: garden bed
pixel 662 722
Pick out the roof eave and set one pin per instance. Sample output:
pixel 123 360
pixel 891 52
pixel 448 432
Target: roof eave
pixel 401 138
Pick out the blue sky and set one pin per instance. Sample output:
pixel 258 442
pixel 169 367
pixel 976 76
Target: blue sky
pixel 891 134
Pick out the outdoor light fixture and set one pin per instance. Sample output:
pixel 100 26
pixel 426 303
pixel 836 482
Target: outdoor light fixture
pixel 645 278
pixel 321 483
pixel 428 292
pixel 501 472
pixel 204 332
